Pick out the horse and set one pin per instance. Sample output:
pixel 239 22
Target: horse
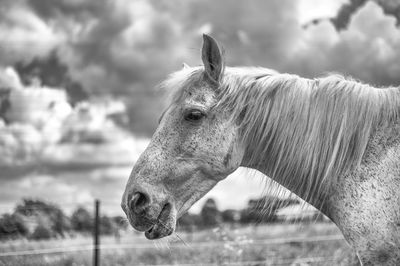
pixel 333 141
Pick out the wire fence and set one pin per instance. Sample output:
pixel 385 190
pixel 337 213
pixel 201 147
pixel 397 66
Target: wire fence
pixel 194 245
pixel 277 261
pixel 301 261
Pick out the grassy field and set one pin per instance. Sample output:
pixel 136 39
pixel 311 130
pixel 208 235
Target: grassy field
pixel 289 244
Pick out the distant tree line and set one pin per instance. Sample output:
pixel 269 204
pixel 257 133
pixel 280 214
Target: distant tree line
pixel 36 219
pixel 258 211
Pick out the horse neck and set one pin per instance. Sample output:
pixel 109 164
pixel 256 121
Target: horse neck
pixel 308 146
pixel 291 184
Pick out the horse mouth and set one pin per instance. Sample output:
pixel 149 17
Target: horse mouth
pixel 164 225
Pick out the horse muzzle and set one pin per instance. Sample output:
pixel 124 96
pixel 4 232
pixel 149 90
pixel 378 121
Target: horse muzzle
pixel 152 215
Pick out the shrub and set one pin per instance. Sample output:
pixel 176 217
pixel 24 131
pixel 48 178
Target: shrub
pixel 107 226
pixel 12 225
pixel 42 232
pixel 82 220
pixel 40 210
pixel 120 222
pixel 189 221
pixel 210 214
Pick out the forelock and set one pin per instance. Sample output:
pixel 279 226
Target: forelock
pixel 178 83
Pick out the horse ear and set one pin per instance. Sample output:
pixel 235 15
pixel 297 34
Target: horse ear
pixel 212 58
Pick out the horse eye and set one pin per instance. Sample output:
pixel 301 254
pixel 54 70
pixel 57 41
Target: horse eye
pixel 194 115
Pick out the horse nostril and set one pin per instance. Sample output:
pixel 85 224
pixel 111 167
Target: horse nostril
pixel 138 202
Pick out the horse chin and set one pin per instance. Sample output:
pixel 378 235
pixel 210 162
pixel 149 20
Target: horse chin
pixel 165 224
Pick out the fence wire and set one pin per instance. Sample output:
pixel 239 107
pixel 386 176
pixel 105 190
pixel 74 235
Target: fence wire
pixel 255 262
pixel 78 248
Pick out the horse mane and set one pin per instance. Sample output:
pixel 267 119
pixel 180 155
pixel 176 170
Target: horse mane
pixel 307 132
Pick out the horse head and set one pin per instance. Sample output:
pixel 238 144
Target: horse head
pixel 194 147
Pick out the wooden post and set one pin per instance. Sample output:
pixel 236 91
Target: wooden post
pixel 96 232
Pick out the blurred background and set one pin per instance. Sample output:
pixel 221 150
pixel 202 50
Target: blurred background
pixel 78 83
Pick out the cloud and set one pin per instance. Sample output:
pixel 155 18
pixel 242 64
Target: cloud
pixel 67 195
pixel 368 50
pixel 310 10
pixel 32 120
pixel 121 47
pixel 21 28
pixel 343 17
pixel 9 78
pixel 42 132
pixel 108 45
pixel 115 45
pixel 77 157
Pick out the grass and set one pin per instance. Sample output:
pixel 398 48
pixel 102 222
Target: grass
pixel 219 246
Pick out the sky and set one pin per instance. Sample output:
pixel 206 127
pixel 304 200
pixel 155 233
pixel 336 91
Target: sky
pixel 120 50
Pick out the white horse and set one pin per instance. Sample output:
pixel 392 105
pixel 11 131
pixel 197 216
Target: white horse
pixel 332 141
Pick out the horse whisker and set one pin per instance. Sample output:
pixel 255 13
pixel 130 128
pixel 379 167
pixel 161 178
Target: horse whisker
pixel 183 241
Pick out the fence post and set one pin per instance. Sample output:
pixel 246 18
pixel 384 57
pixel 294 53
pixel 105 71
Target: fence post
pixel 96 232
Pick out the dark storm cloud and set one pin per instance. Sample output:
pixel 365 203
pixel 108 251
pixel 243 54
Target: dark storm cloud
pixel 342 19
pixel 78 10
pixel 118 44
